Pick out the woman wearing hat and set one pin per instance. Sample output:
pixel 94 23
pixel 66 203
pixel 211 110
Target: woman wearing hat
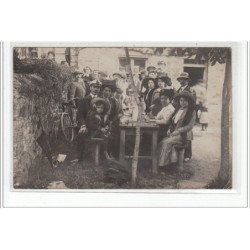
pixel 149 93
pixel 107 90
pixel 184 81
pixel 182 122
pixel 163 81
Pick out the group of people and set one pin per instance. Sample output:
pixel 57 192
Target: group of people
pixel 102 100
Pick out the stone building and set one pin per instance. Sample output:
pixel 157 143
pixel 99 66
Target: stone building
pixel 112 60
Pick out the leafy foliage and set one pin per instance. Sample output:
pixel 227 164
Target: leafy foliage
pixel 54 77
pixel 212 55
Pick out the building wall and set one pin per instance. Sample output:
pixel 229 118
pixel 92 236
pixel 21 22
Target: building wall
pixel 214 93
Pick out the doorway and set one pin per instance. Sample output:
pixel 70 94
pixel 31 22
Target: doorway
pixel 195 73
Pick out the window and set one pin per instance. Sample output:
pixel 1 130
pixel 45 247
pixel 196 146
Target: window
pixel 135 61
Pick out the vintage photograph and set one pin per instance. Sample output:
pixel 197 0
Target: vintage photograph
pixel 122 117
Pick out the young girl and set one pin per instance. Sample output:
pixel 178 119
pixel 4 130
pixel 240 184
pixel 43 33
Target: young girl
pixel 203 118
pixel 182 122
pixel 97 121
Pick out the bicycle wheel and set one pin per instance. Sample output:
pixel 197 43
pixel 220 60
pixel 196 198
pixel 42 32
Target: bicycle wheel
pixel 67 128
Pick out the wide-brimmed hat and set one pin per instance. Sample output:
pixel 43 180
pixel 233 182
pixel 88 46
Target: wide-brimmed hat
pixel 147 79
pixel 110 84
pixel 99 100
pixel 151 68
pixel 187 95
pixel 183 75
pixel 119 74
pixel 163 76
pixel 95 82
pixel 167 92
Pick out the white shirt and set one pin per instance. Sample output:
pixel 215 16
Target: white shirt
pixel 165 114
pixel 182 88
pixel 178 115
pixel 93 96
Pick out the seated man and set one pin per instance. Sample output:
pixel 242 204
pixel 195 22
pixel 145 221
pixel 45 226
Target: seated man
pixel 84 108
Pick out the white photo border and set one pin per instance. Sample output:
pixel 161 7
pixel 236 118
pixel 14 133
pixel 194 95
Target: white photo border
pixel 235 197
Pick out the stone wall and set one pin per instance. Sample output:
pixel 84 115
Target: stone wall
pixel 27 108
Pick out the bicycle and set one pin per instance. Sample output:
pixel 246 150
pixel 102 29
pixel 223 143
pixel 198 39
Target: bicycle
pixel 68 121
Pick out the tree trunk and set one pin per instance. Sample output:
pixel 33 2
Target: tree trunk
pixel 224 179
pixel 138 123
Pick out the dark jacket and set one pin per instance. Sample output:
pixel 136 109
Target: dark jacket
pixel 185 124
pixel 148 99
pixel 188 89
pixel 83 109
pixel 77 90
pixel 95 122
pixel 113 109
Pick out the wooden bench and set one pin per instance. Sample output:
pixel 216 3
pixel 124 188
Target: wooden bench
pixel 96 142
pixel 180 154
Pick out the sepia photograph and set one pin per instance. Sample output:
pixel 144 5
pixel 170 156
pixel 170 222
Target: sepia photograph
pixel 122 117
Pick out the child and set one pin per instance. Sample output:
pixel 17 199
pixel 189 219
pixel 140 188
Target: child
pixel 203 118
pixel 97 121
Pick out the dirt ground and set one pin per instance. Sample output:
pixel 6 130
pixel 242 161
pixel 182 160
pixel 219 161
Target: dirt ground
pixel 199 171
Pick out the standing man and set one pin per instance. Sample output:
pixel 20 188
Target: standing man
pixel 87 74
pixel 77 89
pixel 161 67
pixel 151 72
pixel 185 81
pixel 120 81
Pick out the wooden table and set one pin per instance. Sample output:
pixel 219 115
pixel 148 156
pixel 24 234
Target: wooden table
pixel 149 128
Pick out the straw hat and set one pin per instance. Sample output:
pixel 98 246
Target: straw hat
pixel 183 75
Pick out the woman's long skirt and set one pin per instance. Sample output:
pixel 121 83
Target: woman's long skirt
pixel 166 151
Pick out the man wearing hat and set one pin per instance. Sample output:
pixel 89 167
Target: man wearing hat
pixel 78 89
pixel 120 81
pixel 84 108
pixel 142 75
pixel 87 74
pixel 161 67
pixel 151 71
pixel 108 89
pixel 184 81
